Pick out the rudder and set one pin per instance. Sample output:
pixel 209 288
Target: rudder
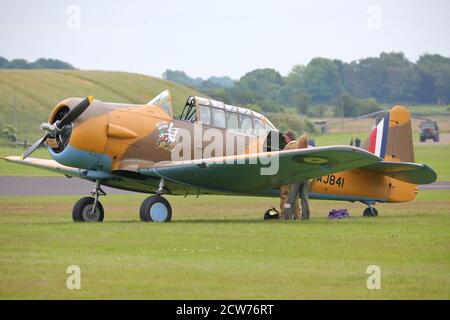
pixel 391 139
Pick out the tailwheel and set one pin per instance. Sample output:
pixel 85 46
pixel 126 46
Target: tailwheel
pixel 87 209
pixel 155 209
pixel 370 212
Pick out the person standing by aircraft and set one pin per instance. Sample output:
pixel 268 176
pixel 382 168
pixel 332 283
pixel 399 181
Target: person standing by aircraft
pixel 295 189
pixel 291 144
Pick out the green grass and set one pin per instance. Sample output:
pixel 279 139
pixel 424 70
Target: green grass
pixel 345 137
pixel 337 138
pixel 429 110
pixel 437 157
pixel 218 248
pixel 38 91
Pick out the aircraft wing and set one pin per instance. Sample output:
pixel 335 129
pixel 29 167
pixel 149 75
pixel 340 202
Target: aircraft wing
pixel 50 165
pixel 251 174
pixel 414 173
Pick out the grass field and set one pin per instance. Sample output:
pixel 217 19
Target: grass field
pixel 429 110
pixel 219 247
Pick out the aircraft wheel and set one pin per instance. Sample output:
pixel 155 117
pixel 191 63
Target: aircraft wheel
pixel 368 213
pixel 82 211
pixel 155 209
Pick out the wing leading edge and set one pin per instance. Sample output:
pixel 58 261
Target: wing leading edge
pixel 49 165
pixel 52 165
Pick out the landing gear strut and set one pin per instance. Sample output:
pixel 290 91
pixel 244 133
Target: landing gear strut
pixel 370 211
pixel 156 208
pixel 89 209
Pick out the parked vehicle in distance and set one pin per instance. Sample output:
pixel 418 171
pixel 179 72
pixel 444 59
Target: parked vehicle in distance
pixel 429 130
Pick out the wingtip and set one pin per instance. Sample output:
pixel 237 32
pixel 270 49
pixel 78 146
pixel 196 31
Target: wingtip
pixel 91 99
pixel 12 158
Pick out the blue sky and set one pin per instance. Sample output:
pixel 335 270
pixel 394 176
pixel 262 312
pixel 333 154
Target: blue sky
pixel 230 37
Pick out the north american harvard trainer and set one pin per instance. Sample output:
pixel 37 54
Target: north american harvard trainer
pixel 137 148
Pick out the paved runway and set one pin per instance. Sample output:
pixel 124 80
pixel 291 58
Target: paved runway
pixel 442 185
pixel 74 186
pixel 49 186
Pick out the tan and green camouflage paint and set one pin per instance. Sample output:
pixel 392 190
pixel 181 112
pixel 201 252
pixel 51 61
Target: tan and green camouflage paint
pixel 128 134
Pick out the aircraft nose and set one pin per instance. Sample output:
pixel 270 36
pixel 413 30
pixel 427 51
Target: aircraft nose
pixel 58 129
pixel 84 144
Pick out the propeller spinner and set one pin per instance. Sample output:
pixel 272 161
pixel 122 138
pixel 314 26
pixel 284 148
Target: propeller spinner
pixel 59 127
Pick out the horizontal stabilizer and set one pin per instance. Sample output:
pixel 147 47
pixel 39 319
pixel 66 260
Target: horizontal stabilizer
pixel 405 171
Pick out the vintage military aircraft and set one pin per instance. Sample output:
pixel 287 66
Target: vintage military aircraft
pixel 137 148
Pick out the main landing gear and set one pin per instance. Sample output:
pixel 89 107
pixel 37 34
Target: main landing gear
pixel 155 208
pixel 89 209
pixel 370 211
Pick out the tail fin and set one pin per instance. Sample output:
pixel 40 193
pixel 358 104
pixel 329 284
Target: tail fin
pixel 391 139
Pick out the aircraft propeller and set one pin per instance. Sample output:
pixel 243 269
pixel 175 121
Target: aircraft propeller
pixel 58 126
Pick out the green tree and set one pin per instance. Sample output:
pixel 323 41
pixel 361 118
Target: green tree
pixel 288 121
pixel 3 63
pixel 295 80
pixel 221 82
pixel 320 79
pixel 182 78
pixel 434 78
pixel 302 101
pixel 261 87
pixel 10 133
pixel 345 105
pixel 50 64
pixel 219 94
pixel 350 77
pixel 349 106
pixel 18 64
pixel 401 84
pixel 38 64
pixel 390 78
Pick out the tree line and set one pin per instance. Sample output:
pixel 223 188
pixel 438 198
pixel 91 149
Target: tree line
pixel 41 63
pixel 352 88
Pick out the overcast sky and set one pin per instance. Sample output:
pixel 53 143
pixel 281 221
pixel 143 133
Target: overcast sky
pixel 226 37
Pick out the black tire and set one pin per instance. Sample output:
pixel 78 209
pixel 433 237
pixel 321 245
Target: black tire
pixel 368 213
pixel 422 139
pixel 163 209
pixel 82 211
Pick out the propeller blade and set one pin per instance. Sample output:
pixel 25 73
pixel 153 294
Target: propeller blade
pixel 33 148
pixel 75 112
